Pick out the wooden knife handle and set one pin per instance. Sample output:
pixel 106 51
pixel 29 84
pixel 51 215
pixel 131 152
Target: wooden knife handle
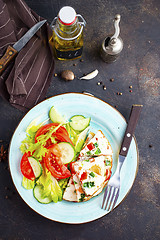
pixel 133 119
pixel 7 57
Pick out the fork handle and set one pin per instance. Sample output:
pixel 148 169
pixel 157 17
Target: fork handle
pixel 133 119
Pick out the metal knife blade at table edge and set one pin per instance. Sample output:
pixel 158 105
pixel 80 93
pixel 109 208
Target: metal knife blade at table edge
pixel 12 51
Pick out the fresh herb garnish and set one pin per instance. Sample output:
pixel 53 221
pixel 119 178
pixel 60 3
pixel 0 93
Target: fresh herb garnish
pixel 96 144
pixel 92 174
pixel 82 197
pixel 88 184
pixel 88 153
pixel 98 151
pixel 107 163
pixel 92 184
pixel 87 160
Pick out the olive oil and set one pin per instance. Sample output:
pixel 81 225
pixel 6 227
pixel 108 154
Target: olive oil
pixel 68 35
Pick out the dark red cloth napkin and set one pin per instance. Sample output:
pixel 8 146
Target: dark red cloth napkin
pixel 25 81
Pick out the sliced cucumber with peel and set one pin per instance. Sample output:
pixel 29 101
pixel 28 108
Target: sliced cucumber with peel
pixel 81 140
pixel 36 166
pixel 68 152
pixel 79 122
pixel 55 116
pixel 38 194
pixel 77 118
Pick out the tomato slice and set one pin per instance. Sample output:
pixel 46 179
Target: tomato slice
pixel 90 146
pixel 72 167
pixel 45 128
pixel 26 168
pixel 54 164
pixel 83 176
pixel 62 138
pixel 61 134
pixel 108 174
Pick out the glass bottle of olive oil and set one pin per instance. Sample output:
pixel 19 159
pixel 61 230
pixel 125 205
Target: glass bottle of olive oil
pixel 68 34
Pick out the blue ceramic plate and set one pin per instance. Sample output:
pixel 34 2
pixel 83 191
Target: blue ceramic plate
pixel 104 117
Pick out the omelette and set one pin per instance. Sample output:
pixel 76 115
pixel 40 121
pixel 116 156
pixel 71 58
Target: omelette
pixel 92 170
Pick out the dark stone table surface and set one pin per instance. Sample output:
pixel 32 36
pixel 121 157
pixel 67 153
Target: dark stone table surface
pixel 138 217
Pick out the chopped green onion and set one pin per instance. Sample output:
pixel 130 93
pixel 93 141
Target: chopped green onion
pixel 87 160
pixel 107 163
pixel 98 151
pixel 92 184
pixel 88 153
pixel 96 144
pixel 82 197
pixel 92 174
pixel 86 184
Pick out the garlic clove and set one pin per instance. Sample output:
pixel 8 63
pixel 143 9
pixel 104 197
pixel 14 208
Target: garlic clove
pixel 90 75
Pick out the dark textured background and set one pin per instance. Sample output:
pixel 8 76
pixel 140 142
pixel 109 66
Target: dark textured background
pixel 138 217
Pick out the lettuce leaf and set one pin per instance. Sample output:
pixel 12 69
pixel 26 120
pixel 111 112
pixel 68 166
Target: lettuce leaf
pixel 63 183
pixel 50 186
pixel 29 141
pixel 37 149
pixel 73 135
pixel 33 127
pixel 57 188
pixel 28 184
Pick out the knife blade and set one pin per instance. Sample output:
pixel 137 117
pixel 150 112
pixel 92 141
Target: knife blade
pixel 12 51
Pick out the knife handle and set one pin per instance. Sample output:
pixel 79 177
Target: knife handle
pixel 7 57
pixel 133 119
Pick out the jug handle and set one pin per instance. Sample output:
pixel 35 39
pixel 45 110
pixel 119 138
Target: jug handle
pixel 53 23
pixel 83 20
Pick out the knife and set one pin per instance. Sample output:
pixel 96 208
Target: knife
pixel 12 51
pixel 133 119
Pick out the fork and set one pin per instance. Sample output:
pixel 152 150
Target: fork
pixel 113 187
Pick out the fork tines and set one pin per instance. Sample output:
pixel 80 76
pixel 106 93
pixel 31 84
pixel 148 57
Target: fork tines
pixel 110 197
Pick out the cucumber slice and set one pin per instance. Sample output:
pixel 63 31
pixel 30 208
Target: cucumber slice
pixel 38 194
pixel 81 140
pixel 55 116
pixel 79 122
pixel 36 166
pixel 67 151
pixel 77 118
